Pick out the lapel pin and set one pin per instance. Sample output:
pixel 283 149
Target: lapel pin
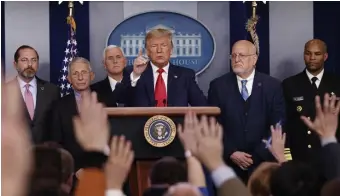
pixel 175 76
pixel 42 88
pixel 299 108
pixel 259 84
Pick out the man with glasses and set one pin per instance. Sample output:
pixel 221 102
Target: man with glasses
pixel 250 103
pixel 38 95
pixel 79 76
pixel 112 90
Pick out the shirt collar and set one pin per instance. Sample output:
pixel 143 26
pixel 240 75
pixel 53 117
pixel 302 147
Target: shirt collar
pixel 155 68
pixel 77 94
pixel 319 76
pixel 113 82
pixel 22 83
pixel 250 77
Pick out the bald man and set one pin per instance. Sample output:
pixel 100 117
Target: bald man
pixel 250 102
pixel 300 91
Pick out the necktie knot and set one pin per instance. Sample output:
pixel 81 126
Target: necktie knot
pixel 160 71
pixel 27 86
pixel 314 79
pixel 244 82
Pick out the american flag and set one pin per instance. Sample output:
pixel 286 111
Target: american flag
pixel 70 52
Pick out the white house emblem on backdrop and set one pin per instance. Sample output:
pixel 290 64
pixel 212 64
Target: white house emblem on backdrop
pixel 194 45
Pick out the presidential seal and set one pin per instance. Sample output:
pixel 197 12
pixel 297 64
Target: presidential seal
pixel 159 131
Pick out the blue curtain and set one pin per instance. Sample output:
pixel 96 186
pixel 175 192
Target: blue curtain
pixel 59 34
pixel 327 28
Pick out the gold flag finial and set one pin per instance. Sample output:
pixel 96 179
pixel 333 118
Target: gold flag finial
pixel 251 26
pixel 70 19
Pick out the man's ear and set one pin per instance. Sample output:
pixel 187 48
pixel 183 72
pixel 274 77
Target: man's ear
pixel 92 75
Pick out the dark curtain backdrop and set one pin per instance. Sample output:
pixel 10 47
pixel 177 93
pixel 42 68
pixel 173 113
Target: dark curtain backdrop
pixel 59 34
pixel 327 28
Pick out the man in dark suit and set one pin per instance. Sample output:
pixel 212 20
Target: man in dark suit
pixel 114 88
pixel 159 83
pixel 38 95
pixel 250 103
pixel 79 76
pixel 300 91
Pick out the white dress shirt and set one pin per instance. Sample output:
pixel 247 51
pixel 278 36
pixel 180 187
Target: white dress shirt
pixel 249 84
pixel 319 76
pixel 113 83
pixel 32 88
pixel 155 75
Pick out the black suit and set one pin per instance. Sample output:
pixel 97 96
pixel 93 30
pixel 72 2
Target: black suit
pixel 47 95
pixel 110 98
pixel 300 100
pixel 62 127
pixel 63 132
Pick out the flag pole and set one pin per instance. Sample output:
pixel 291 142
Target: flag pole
pixel 251 27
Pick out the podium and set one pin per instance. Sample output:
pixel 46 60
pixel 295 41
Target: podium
pixel 135 124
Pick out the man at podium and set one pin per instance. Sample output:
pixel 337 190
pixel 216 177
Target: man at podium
pixel 159 83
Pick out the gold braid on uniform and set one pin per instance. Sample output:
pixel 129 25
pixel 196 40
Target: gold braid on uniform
pixel 288 154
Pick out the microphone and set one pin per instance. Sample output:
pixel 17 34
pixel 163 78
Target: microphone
pixel 164 102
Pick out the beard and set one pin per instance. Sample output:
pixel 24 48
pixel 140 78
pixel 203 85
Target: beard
pixel 27 73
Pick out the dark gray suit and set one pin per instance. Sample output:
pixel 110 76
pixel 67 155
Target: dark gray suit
pixel 47 95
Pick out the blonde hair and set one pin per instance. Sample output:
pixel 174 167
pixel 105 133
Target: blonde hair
pixel 158 33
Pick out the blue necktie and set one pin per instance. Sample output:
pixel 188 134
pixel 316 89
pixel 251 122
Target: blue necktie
pixel 244 90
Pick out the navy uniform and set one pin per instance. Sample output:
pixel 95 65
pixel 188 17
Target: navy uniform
pixel 300 91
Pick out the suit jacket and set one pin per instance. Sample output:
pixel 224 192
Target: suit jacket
pixel 300 100
pixel 112 98
pixel 47 95
pixel 62 130
pixel 330 161
pixel 247 123
pixel 182 88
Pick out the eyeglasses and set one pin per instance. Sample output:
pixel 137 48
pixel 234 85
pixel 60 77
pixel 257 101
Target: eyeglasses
pixel 82 73
pixel 241 56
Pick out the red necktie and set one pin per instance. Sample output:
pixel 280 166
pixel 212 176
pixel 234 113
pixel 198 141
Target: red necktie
pixel 160 91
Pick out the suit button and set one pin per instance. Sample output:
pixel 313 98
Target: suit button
pixel 245 130
pixel 309 132
pixel 246 114
pixel 309 146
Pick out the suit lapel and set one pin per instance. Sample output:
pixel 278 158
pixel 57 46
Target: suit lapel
pixel 149 81
pixel 171 84
pixel 324 85
pixel 72 105
pixel 256 89
pixel 40 99
pixel 108 88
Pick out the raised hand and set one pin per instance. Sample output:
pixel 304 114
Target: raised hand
pixel 139 64
pixel 326 120
pixel 91 126
pixel 277 146
pixel 187 133
pixel 119 163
